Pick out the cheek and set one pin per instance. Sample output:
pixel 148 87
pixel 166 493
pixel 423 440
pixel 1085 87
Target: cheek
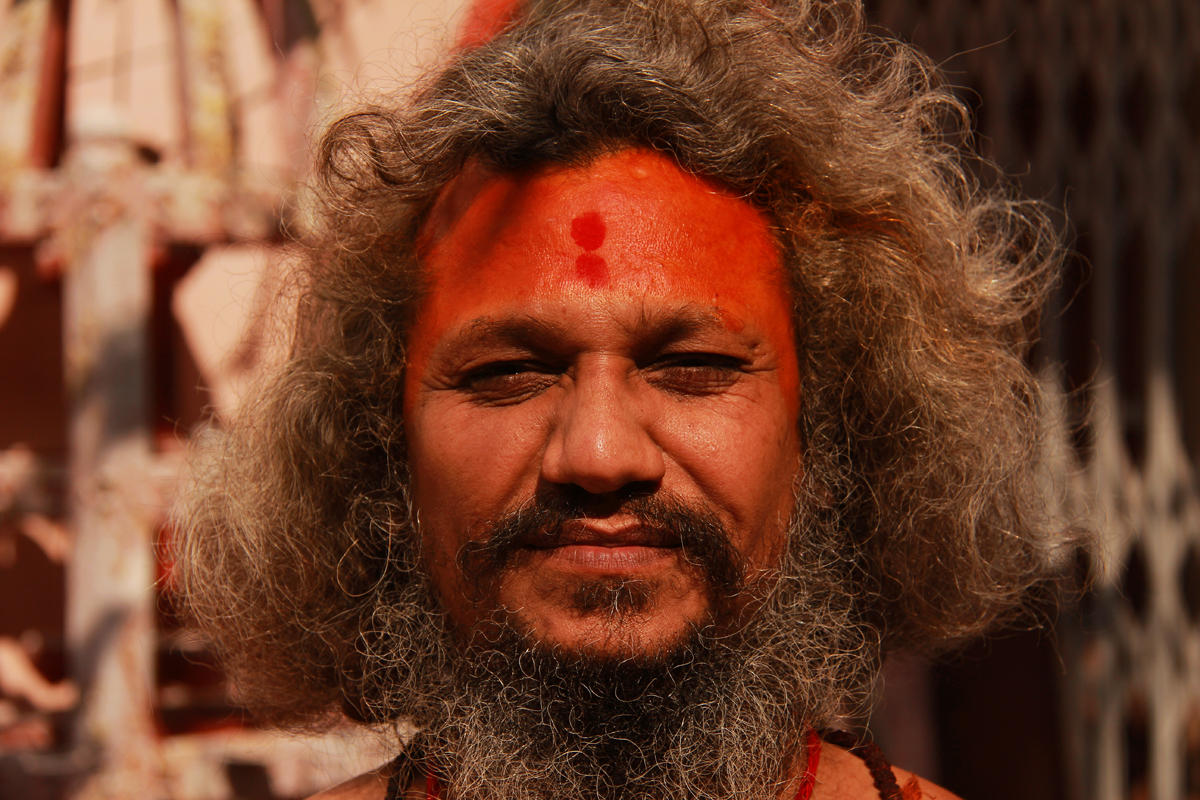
pixel 464 472
pixel 744 462
pixel 475 464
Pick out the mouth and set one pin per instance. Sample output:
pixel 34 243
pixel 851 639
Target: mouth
pixel 595 546
pixel 596 533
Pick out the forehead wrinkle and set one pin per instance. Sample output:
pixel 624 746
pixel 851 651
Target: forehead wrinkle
pixel 650 330
pixel 518 330
pixel 672 323
pixel 655 329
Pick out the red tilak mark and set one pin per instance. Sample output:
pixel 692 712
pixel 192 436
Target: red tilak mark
pixel 588 230
pixel 593 269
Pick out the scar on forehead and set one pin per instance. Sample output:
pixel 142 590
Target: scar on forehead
pixel 588 232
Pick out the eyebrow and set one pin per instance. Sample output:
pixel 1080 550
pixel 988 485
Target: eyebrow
pixel 517 331
pixel 651 331
pixel 660 329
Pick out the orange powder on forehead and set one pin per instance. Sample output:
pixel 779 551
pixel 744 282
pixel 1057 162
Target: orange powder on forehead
pixel 628 227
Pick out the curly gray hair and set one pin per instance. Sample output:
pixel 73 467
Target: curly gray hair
pixel 915 288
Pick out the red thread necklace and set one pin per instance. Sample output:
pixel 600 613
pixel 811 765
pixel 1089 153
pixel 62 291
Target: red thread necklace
pixel 812 751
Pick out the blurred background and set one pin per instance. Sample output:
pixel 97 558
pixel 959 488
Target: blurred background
pixel 150 157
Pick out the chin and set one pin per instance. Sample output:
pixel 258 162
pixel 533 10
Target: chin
pixel 612 619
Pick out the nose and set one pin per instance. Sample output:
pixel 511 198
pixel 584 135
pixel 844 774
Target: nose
pixel 601 441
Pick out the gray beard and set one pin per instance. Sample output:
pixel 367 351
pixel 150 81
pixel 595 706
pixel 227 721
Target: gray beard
pixel 531 723
pixel 722 716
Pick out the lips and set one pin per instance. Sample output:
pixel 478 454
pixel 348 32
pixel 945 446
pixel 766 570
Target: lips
pixel 599 533
pixel 640 539
pixel 603 548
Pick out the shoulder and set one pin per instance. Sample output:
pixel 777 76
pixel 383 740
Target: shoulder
pixel 369 786
pixel 916 787
pixel 841 775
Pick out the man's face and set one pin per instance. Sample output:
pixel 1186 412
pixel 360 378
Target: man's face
pixel 594 338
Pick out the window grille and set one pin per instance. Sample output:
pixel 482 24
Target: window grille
pixel 1094 106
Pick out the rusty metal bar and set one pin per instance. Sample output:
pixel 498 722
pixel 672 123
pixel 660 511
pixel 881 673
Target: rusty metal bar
pixel 48 112
pixel 110 597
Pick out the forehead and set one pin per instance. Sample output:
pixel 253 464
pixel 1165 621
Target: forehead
pixel 630 222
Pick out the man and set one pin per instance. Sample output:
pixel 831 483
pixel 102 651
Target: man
pixel 658 368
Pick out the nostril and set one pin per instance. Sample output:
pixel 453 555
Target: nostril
pixel 601 485
pixel 573 500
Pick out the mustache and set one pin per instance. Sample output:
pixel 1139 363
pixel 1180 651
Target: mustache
pixel 549 520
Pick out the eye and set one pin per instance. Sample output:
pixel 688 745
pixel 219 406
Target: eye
pixel 506 382
pixel 695 373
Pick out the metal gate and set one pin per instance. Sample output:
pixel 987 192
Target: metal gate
pixel 1094 106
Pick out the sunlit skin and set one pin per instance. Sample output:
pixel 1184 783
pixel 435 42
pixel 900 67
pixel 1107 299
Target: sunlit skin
pixel 618 325
pixel 614 327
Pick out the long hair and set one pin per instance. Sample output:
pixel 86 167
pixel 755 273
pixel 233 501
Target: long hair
pixel 915 285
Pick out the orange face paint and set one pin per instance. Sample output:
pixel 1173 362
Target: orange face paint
pixel 610 330
pixel 645 228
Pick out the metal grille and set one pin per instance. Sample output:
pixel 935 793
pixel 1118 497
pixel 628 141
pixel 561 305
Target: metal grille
pixel 1095 106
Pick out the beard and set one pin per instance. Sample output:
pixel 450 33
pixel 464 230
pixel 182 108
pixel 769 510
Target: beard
pixel 720 715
